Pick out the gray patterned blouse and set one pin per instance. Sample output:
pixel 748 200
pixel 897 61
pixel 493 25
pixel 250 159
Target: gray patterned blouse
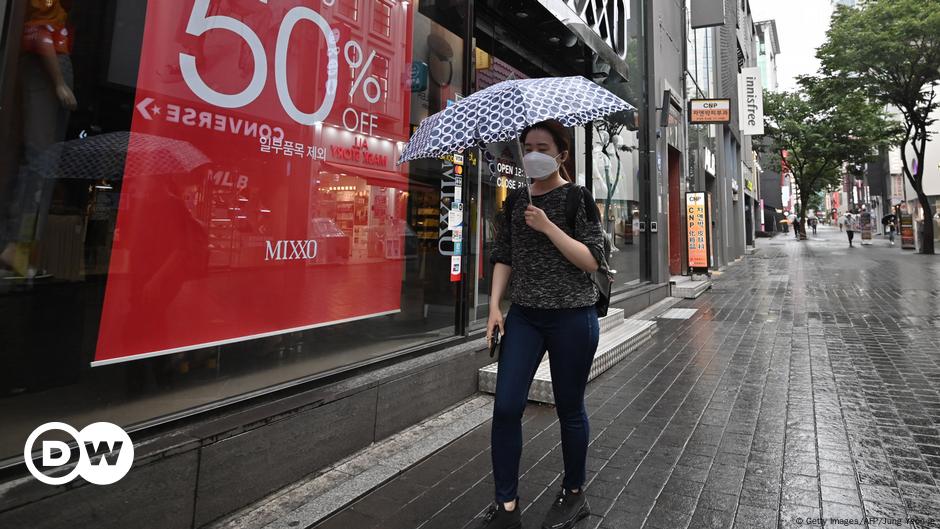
pixel 541 276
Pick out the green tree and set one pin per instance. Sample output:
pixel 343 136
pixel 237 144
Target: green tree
pixel 889 50
pixel 820 129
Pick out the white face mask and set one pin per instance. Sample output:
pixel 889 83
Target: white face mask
pixel 539 166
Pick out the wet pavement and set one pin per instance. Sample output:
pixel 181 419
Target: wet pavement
pixel 804 391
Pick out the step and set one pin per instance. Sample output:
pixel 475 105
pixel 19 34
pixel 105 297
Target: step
pixel 652 312
pixel 613 347
pixel 613 319
pixel 685 287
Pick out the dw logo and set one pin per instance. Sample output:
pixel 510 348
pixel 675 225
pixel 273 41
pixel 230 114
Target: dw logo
pixel 105 453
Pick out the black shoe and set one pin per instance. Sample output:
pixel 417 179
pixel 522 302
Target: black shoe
pixel 567 510
pixel 497 517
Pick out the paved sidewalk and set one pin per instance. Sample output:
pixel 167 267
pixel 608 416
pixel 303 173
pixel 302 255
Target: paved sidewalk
pixel 806 385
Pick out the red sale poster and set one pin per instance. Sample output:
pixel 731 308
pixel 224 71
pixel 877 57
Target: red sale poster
pixel 260 187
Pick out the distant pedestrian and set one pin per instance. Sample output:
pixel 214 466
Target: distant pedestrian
pixel 813 221
pixel 794 221
pixel 888 221
pixel 850 227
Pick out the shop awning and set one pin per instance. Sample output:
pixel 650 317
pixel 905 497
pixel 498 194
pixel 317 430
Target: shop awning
pixel 376 177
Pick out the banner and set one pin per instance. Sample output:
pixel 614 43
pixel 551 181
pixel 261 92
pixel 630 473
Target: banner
pixel 751 102
pixel 696 230
pixel 260 193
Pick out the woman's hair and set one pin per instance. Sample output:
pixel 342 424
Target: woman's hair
pixel 559 135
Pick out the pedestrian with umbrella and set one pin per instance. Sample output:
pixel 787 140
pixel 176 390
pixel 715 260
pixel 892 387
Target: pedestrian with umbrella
pixel 850 224
pixel 888 222
pixel 547 260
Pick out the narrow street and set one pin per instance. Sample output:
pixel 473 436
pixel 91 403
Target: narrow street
pixel 805 386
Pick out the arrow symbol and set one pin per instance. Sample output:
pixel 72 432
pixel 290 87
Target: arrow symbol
pixel 142 107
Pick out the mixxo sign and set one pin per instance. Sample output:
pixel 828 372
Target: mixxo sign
pixel 104 450
pixel 606 18
pixel 601 24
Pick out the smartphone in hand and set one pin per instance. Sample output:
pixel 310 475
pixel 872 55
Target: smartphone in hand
pixel 494 342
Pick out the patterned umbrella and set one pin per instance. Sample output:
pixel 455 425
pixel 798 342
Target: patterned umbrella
pixel 105 157
pixel 500 112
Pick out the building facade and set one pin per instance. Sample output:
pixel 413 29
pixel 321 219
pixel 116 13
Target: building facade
pixel 207 241
pixel 772 203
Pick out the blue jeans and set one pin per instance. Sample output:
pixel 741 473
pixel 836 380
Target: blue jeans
pixel 570 336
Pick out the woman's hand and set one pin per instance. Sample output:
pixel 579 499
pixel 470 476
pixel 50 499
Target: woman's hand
pixel 536 219
pixel 495 321
pixel 66 97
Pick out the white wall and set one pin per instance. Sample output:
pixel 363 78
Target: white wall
pixel 931 163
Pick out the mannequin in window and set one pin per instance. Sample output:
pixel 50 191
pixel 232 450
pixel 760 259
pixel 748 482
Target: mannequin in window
pixel 441 69
pixel 46 99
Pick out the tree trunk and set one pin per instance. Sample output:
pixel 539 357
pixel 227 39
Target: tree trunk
pixel 801 222
pixel 926 244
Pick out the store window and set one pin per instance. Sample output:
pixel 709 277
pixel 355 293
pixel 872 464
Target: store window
pixel 616 162
pixel 201 201
pixel 617 191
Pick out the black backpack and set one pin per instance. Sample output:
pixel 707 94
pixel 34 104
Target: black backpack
pixel 603 277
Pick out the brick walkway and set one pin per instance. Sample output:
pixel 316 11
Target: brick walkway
pixel 806 386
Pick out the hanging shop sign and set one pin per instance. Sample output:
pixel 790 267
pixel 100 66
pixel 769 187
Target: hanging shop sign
pixel 751 102
pixel 310 108
pixel 601 24
pixel 697 231
pixel 707 111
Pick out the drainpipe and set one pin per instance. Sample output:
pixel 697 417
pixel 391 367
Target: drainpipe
pixel 648 155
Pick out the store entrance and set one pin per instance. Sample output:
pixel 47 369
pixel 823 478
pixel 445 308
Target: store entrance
pixel 510 46
pixel 675 214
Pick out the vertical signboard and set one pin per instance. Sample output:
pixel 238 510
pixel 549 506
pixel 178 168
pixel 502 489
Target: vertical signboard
pixel 697 231
pixel 763 227
pixel 260 193
pixel 751 102
pixel 455 214
pixel 866 225
pixel 907 231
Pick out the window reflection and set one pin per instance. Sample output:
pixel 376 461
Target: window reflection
pixel 336 220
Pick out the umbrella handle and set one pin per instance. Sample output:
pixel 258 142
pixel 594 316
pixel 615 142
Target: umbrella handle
pixel 519 154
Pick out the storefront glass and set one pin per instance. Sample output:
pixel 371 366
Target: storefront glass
pixel 522 40
pixel 617 168
pixel 200 201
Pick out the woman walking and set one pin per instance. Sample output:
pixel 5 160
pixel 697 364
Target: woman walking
pixel 850 227
pixel 545 261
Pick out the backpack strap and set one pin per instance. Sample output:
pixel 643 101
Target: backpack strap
pixel 510 206
pixel 573 200
pixel 511 203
